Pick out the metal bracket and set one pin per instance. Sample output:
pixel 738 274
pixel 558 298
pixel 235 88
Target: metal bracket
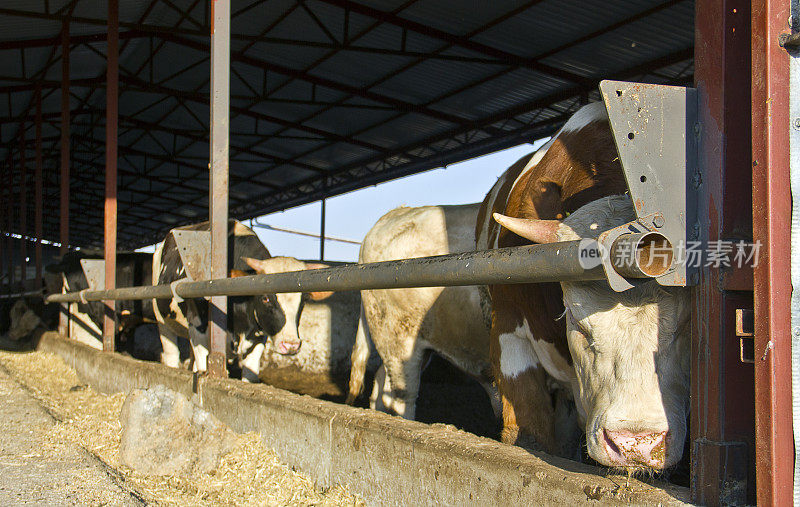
pixel 194 248
pixel 606 241
pixel 655 129
pixel 95 271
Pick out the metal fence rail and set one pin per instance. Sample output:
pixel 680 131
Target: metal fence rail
pixel 552 262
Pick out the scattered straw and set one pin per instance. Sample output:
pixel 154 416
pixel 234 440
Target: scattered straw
pixel 250 474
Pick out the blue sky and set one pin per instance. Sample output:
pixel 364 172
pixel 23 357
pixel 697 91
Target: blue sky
pixel 351 215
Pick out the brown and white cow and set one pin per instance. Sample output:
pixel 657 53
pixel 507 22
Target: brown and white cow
pixel 622 356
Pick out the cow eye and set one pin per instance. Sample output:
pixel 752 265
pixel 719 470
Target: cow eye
pixel 265 299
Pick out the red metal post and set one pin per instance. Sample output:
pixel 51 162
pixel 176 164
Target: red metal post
pixel 3 246
pixel 8 194
pixel 64 226
pixel 112 97
pixel 772 209
pixel 23 207
pixel 63 326
pixel 722 435
pixel 38 188
pixel 218 184
pixel 11 225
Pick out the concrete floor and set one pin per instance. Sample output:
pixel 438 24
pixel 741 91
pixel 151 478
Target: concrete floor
pixel 35 469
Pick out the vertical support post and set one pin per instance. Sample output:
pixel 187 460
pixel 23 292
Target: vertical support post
pixel 65 120
pixel 63 326
pixel 218 185
pixel 722 401
pixel 3 245
pixel 322 231
pixel 112 98
pixel 37 198
pixel 12 278
pixel 23 208
pixel 8 265
pixel 772 208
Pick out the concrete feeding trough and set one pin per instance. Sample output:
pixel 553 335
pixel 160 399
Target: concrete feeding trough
pixel 384 459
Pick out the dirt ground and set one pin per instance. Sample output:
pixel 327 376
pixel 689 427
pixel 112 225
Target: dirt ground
pixel 59 444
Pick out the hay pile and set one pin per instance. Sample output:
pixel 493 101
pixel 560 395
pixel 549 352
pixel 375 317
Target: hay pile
pixel 250 474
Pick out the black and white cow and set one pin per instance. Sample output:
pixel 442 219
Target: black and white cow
pixel 251 319
pixel 133 269
pixel 28 318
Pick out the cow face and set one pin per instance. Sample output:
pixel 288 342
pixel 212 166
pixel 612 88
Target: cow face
pixel 630 352
pixel 278 315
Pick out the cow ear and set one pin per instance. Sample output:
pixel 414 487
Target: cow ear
pixel 319 295
pixel 538 231
pixel 255 264
pixel 236 273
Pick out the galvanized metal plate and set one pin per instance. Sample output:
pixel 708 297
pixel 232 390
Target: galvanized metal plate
pixel 95 271
pixel 194 248
pixel 654 128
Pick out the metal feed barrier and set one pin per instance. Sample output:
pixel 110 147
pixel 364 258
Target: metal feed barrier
pixel 552 262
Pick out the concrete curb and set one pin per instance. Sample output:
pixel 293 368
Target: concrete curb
pixel 386 460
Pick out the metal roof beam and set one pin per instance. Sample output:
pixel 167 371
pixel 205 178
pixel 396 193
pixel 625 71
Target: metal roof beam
pixel 321 81
pixel 457 40
pixel 73 40
pixel 204 139
pixel 203 99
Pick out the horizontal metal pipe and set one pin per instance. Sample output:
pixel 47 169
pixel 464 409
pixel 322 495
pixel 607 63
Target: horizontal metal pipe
pixel 23 294
pixel 550 262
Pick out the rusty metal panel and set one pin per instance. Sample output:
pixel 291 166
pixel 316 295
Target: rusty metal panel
pixel 771 226
pixel 794 168
pixel 722 397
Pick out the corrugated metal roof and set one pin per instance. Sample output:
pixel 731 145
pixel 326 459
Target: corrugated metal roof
pixel 327 95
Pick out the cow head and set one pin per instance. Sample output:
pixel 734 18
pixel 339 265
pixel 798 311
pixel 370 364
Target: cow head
pixel 630 350
pixel 24 321
pixel 279 314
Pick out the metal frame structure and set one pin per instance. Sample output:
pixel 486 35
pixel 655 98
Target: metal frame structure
pixel 487 91
pixel 286 148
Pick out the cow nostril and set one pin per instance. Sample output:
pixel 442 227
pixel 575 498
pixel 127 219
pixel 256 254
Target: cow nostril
pixel 635 448
pixel 288 348
pixel 610 443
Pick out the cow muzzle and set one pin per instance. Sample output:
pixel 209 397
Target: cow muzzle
pixel 287 348
pixel 634 450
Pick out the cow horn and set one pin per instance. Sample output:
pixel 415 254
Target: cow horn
pixel 256 264
pixel 538 231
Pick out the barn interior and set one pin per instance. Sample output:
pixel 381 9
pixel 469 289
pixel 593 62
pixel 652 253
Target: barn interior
pixel 329 96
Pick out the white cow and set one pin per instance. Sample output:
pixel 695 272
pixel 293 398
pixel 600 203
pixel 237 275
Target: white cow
pixel 404 323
